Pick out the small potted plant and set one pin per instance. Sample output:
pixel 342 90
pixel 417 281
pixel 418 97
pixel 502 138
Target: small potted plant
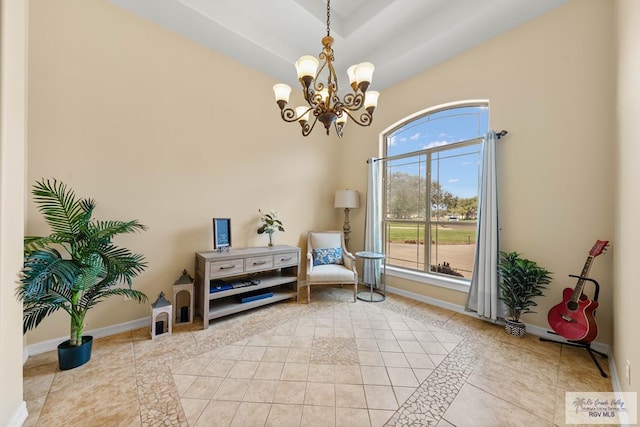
pixel 75 267
pixel 521 280
pixel 269 224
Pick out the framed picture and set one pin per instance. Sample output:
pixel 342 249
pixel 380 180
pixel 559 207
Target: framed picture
pixel 221 233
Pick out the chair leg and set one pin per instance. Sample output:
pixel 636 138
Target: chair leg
pixel 355 291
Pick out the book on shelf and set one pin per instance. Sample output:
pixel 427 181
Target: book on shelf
pixel 254 296
pixel 219 288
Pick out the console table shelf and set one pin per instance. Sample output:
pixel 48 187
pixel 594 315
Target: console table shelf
pixel 275 269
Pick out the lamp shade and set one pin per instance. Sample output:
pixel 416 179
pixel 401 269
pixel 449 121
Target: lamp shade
pixel 282 92
pixel 364 72
pixel 306 66
pixel 371 99
pixel 347 199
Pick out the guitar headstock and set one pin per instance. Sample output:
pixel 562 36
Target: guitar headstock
pixel 599 247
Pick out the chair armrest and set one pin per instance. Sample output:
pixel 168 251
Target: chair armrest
pixel 309 262
pixel 348 259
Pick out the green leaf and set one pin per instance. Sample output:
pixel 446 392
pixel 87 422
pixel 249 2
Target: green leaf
pixel 59 206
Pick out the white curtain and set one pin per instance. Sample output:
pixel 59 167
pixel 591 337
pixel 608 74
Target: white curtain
pixel 372 233
pixel 484 291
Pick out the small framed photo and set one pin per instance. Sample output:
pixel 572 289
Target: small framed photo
pixel 221 234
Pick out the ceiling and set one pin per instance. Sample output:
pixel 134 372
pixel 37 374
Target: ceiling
pixel 400 37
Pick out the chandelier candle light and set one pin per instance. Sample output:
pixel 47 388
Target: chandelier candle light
pixel 324 102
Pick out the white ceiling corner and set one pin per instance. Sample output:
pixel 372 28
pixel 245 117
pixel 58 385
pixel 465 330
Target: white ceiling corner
pixel 401 37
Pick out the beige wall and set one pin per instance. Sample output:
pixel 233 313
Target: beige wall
pixel 12 168
pixel 550 83
pixel 151 125
pixel 626 315
pixel 158 128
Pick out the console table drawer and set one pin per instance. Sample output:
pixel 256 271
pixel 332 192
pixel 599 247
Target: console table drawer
pixel 226 268
pixel 285 260
pixel 259 263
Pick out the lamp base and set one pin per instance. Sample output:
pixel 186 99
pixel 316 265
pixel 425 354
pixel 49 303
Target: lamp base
pixel 346 229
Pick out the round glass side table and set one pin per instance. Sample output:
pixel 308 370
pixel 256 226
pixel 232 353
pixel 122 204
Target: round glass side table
pixel 377 292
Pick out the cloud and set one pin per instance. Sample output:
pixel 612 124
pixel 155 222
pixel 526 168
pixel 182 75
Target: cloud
pixel 453 180
pixel 436 144
pixel 466 163
pixel 415 136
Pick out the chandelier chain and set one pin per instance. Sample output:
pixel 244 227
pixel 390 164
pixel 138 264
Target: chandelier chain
pixel 328 17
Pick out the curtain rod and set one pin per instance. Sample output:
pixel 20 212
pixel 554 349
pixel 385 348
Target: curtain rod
pixel 498 134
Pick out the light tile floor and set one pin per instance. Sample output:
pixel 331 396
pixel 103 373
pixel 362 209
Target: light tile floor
pixel 329 363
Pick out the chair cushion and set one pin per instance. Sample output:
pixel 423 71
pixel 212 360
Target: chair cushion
pixel 324 256
pixel 331 273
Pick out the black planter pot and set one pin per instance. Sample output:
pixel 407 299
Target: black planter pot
pixel 70 357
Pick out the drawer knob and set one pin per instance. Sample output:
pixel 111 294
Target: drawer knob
pixel 286 259
pixel 226 267
pixel 259 262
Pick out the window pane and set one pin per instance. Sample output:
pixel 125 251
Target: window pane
pixel 453 246
pixel 454 183
pixel 406 188
pixel 454 189
pixel 438 129
pixel 405 244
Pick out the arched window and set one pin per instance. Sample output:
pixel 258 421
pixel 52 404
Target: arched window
pixel 430 194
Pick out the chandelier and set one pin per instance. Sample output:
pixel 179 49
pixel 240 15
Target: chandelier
pixel 323 100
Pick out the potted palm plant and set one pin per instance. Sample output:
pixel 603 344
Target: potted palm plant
pixel 75 267
pixel 521 280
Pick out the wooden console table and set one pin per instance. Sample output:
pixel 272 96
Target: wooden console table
pixel 274 269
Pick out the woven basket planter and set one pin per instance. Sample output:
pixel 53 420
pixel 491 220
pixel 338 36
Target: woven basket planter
pixel 516 329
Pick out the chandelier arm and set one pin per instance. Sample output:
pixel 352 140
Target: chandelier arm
pixel 316 100
pixel 364 120
pixel 309 95
pixel 317 84
pixel 306 128
pixel 332 79
pixel 353 101
pixel 289 115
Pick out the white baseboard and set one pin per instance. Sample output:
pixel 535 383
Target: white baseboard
pixel 423 298
pixel 52 344
pixel 19 416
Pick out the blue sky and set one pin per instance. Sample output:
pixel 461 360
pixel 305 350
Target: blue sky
pixel 456 170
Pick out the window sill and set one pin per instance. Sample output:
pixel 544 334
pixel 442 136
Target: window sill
pixel 429 279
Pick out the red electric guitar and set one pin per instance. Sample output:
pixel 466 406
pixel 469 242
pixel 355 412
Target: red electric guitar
pixel 573 317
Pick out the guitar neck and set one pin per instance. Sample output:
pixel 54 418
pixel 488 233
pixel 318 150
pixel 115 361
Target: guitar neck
pixel 580 285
